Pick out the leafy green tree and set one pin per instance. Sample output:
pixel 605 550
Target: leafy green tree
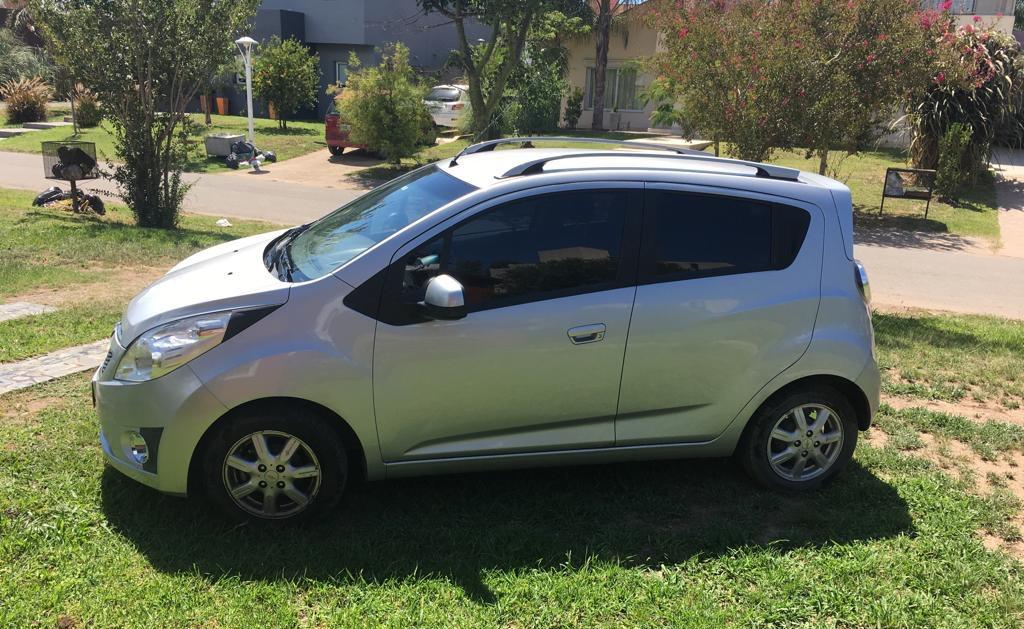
pixel 489 66
pixel 820 74
pixel 384 105
pixel 533 97
pixel 145 61
pixel 287 75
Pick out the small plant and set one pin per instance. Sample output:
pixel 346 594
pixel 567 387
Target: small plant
pixel 954 167
pixel 87 107
pixel 573 108
pixel 26 99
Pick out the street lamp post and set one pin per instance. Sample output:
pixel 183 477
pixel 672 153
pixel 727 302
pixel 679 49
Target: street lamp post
pixel 245 45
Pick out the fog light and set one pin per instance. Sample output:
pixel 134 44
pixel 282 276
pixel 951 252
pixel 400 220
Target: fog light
pixel 136 447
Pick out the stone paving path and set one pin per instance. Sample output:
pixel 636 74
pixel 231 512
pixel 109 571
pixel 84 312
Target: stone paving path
pixel 57 364
pixel 19 309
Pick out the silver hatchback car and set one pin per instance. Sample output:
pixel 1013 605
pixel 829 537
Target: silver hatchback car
pixel 506 308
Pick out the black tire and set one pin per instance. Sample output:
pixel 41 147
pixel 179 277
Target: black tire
pixel 315 437
pixel 753 450
pixel 336 151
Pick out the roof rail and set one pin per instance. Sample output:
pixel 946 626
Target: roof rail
pixel 482 147
pixel 767 171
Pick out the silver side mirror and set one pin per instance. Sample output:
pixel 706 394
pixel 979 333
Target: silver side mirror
pixel 444 298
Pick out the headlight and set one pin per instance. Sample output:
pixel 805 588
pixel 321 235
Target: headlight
pixel 164 349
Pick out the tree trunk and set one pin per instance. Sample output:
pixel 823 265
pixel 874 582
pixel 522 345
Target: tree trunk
pixel 208 108
pixel 74 118
pixel 603 28
pixel 823 163
pixel 718 148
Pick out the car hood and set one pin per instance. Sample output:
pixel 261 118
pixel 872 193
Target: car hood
pixel 224 277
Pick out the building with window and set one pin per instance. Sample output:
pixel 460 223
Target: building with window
pixel 633 40
pixel 335 28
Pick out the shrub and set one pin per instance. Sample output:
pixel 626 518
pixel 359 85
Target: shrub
pixel 573 108
pixel 18 61
pixel 87 107
pixel 26 99
pixel 954 166
pixel 384 105
pixel 536 91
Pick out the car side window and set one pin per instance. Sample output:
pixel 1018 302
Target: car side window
pixel 693 235
pixel 530 249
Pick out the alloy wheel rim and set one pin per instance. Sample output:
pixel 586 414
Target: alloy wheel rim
pixel 805 442
pixel 271 474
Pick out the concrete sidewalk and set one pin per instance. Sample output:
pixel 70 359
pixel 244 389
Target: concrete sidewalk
pixel 241 196
pixel 1009 167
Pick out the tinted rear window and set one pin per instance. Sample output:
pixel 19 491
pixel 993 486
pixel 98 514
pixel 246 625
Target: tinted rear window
pixel 691 235
pixel 444 94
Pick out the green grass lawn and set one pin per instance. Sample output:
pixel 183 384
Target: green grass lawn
pixel 952 358
pixel 691 543
pixel 52 249
pixel 864 173
pixel 299 139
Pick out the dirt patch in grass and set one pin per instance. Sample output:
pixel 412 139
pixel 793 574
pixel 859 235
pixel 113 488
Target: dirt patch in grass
pixel 21 406
pixel 999 481
pixel 116 285
pixel 969 408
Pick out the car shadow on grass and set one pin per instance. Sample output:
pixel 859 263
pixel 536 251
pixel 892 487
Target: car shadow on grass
pixel 460 527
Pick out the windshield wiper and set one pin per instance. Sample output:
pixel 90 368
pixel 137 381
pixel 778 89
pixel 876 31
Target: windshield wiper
pixel 280 258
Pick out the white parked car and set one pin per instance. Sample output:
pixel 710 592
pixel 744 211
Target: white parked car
pixel 447 103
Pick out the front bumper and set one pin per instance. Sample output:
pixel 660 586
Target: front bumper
pixel 172 412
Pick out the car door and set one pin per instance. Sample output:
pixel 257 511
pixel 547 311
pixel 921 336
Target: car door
pixel 727 298
pixel 535 365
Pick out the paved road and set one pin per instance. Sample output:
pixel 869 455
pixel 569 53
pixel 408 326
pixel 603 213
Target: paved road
pixel 945 280
pixel 239 196
pixel 924 276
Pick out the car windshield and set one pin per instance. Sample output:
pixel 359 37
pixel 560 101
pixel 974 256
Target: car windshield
pixel 352 229
pixel 444 94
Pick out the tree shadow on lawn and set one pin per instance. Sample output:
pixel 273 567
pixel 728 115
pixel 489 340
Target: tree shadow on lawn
pixel 85 226
pixel 916 232
pixel 459 527
pixel 900 332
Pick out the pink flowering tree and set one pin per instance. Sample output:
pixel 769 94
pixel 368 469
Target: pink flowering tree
pixel 980 87
pixel 818 74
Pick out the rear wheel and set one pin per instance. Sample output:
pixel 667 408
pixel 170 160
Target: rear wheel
pixel 275 466
pixel 801 440
pixel 336 151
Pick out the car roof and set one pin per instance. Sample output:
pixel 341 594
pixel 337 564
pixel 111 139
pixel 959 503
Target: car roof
pixel 489 168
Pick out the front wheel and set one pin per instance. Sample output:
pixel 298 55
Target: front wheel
pixel 801 440
pixel 275 466
pixel 336 151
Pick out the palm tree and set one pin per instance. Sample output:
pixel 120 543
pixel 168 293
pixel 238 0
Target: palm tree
pixel 606 14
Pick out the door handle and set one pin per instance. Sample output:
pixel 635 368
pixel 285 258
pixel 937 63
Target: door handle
pixel 583 334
